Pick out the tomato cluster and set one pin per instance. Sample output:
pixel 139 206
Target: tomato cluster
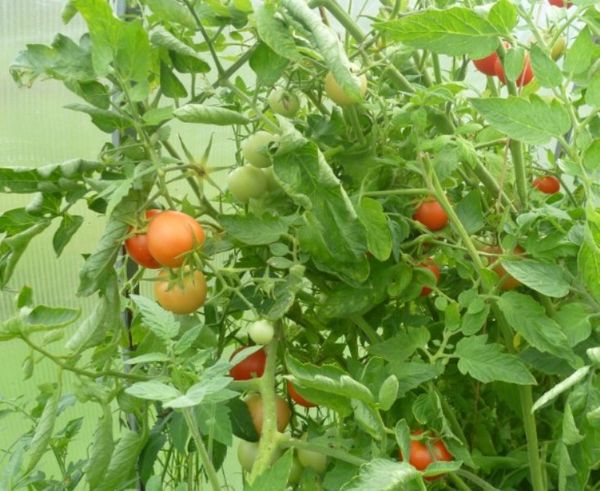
pixel 165 240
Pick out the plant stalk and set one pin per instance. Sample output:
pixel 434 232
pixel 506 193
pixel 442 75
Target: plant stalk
pixel 535 464
pixel 213 479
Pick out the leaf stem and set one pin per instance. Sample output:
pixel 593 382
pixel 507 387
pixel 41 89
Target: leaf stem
pixel 286 441
pixel 476 480
pixel 204 457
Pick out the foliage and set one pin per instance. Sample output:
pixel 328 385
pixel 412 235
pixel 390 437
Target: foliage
pixel 323 243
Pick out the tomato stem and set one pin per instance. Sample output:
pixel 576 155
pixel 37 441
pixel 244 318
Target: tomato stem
pixel 535 465
pixel 206 461
pixel 289 442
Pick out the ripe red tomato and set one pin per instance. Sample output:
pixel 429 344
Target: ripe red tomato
pixel 560 3
pixel 523 79
pixel 181 297
pixel 297 398
pixel 487 65
pixel 431 214
pixel 137 246
pixel 422 454
pixel 255 406
pixel 171 235
pixel 547 184
pixel 431 266
pixel 252 366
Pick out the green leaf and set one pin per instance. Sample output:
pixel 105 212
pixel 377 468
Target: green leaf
pixel 531 121
pixel 440 468
pixel 379 237
pixel 267 64
pixel 43 432
pixel 214 420
pixel 388 392
pixel 579 56
pixel 147 358
pixel 122 466
pixel 529 319
pixel 570 433
pixel 545 68
pixel 162 38
pixel 328 45
pixel 592 94
pixel 386 475
pixel 133 52
pixel 13 247
pixel 455 31
pixel 486 362
pixel 332 232
pixel 588 265
pixel 591 157
pixel 153 391
pixel 274 33
pixel 170 85
pixel 276 477
pixel 69 225
pixel 106 120
pixel 470 212
pixel 44 316
pixel 160 321
pixel 198 113
pixel 204 389
pixel 241 420
pixel 253 230
pixel 102 449
pixel 98 267
pixel 284 294
pixel 401 346
pixel 574 318
pixel 172 11
pixel 368 419
pixel 561 387
pixel 328 378
pixel 547 279
pixel 504 16
pixel 412 374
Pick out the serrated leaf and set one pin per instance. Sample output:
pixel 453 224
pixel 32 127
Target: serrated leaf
pixel 43 432
pixel 219 116
pixel 379 237
pixel 545 68
pixel 69 225
pixel 274 33
pixel 172 11
pixel 388 392
pixel 401 346
pixel 153 391
pixel 487 363
pixel 570 432
pixel 531 121
pixel 121 468
pixel 386 475
pixel 254 230
pixel 455 31
pixel 102 449
pixel 529 319
pixel 547 279
pixel 206 388
pixel 160 321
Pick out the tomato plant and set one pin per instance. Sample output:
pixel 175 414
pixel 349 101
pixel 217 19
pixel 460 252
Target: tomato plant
pixel 317 222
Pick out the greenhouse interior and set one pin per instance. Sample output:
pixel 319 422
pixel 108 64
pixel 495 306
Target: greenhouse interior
pixel 271 245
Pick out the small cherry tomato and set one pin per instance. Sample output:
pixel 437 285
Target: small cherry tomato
pixel 247 182
pixel 255 406
pixel 247 453
pixel 284 102
pixel 181 296
pixel 137 246
pixel 296 397
pixel 560 3
pixel 547 184
pixel 255 148
pixel 431 266
pixel 312 460
pixel 171 235
pixel 524 78
pixel 335 92
pixel 558 48
pixel 431 214
pixel 424 453
pixel 261 332
pixel 249 367
pixel 487 65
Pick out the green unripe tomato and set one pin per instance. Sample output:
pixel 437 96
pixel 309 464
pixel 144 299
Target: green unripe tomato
pixel 246 454
pixel 558 48
pixel 335 92
pixel 255 148
pixel 247 182
pixel 261 332
pixel 284 102
pixel 313 460
pixel 272 184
